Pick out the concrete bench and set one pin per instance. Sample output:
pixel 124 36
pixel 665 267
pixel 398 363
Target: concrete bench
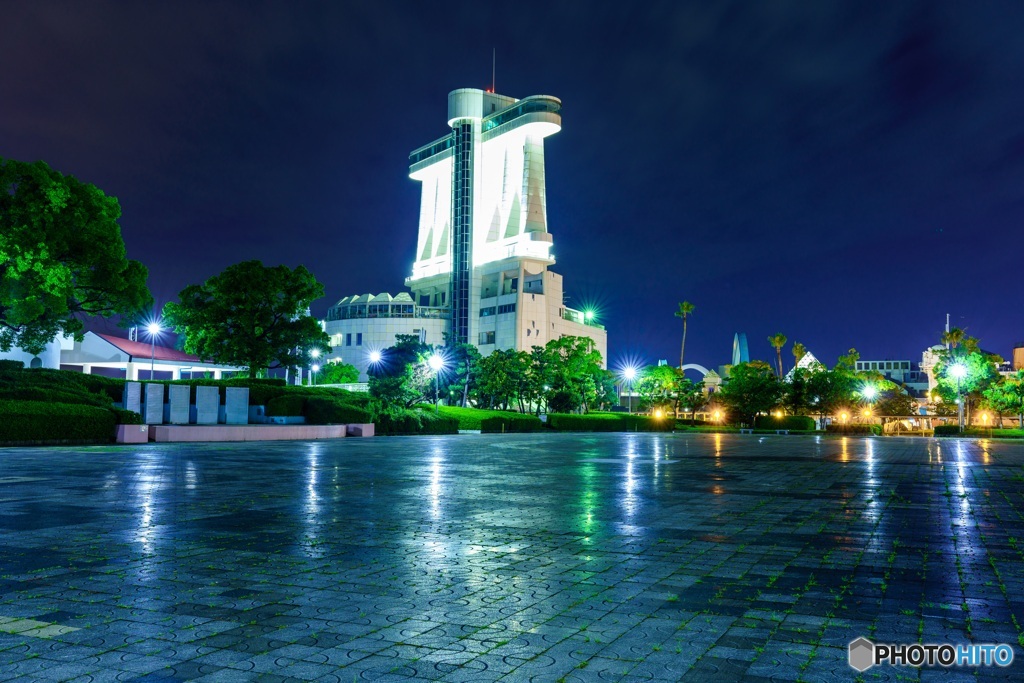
pixel 746 431
pixel 360 430
pixel 782 431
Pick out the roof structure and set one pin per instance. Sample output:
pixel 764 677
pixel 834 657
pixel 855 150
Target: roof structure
pixel 806 362
pixel 142 350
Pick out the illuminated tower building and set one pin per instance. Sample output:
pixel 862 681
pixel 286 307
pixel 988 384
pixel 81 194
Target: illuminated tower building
pixel 484 249
pixel 481 270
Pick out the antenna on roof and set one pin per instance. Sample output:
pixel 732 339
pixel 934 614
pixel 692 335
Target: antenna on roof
pixel 494 61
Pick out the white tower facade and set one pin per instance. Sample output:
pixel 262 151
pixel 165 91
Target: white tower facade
pixel 483 248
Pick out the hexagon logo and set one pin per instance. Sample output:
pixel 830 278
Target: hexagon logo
pixel 862 654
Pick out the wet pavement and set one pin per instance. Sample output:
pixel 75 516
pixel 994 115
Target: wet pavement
pixel 514 558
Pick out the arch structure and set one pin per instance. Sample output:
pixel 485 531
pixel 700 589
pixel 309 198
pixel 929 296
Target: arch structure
pixel 693 366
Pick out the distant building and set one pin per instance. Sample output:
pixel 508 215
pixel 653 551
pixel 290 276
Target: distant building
pixel 907 373
pixel 1018 356
pixel 481 274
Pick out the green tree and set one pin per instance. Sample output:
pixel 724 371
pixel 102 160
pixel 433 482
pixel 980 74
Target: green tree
pixel 752 388
pixel 503 379
pixel 778 341
pixel 690 397
pixel 656 385
pixel 1007 396
pixel 337 372
pixel 465 359
pixel 980 374
pixel 894 402
pixel 61 257
pixel 685 310
pixel 250 315
pixel 829 391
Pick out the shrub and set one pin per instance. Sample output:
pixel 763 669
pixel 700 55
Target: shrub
pixel 512 423
pixel 794 422
pixel 127 417
pixel 36 421
pixel 947 430
pixel 6 364
pixel 875 430
pixel 607 422
pixel 399 422
pixel 321 411
pixel 287 405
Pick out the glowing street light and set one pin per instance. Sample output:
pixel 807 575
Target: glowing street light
pixel 959 371
pixel 154 330
pixel 436 363
pixel 717 415
pixel 315 353
pixel 869 393
pixel 374 357
pixel 629 374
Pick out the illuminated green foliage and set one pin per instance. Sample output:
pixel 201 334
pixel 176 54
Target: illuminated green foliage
pixel 250 315
pixel 61 257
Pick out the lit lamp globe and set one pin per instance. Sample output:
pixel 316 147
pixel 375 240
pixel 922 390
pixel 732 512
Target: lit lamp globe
pixel 375 356
pixel 315 353
pixel 870 393
pixel 629 373
pixel 435 362
pixel 153 328
pixel 958 371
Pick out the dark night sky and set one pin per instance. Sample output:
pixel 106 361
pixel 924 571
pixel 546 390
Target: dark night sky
pixel 844 175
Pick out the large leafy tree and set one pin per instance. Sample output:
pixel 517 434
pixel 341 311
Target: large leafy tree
pixel 61 257
pixel 657 385
pixel 980 374
pixel 830 390
pixel 1007 396
pixel 752 388
pixel 250 315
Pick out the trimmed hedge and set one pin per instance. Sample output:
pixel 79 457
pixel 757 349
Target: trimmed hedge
pixel 513 423
pixel 322 411
pixel 286 405
pixel 408 422
pixel 607 422
pixel 875 430
pixel 6 364
pixel 22 421
pixel 947 430
pixel 127 417
pixel 491 421
pixel 795 422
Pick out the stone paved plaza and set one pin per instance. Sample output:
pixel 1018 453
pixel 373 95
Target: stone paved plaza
pixel 507 558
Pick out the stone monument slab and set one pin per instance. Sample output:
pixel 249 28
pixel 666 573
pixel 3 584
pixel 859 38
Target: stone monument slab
pixel 153 405
pixel 236 406
pixel 132 399
pixel 207 405
pixel 178 404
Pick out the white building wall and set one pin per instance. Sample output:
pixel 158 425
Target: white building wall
pixel 377 335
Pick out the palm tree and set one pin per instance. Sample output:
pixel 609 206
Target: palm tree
pixel 953 338
pixel 778 341
pixel 685 309
pixel 799 351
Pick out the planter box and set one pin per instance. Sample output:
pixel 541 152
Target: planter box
pixel 360 430
pixel 132 434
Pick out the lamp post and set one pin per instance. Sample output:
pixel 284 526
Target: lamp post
pixel 436 364
pixel 154 331
pixel 959 371
pixel 869 392
pixel 629 374
pixel 314 354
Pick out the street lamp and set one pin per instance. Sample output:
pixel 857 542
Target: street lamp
pixel 314 354
pixel 959 371
pixel 374 357
pixel 629 374
pixel 436 363
pixel 154 331
pixel 869 392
